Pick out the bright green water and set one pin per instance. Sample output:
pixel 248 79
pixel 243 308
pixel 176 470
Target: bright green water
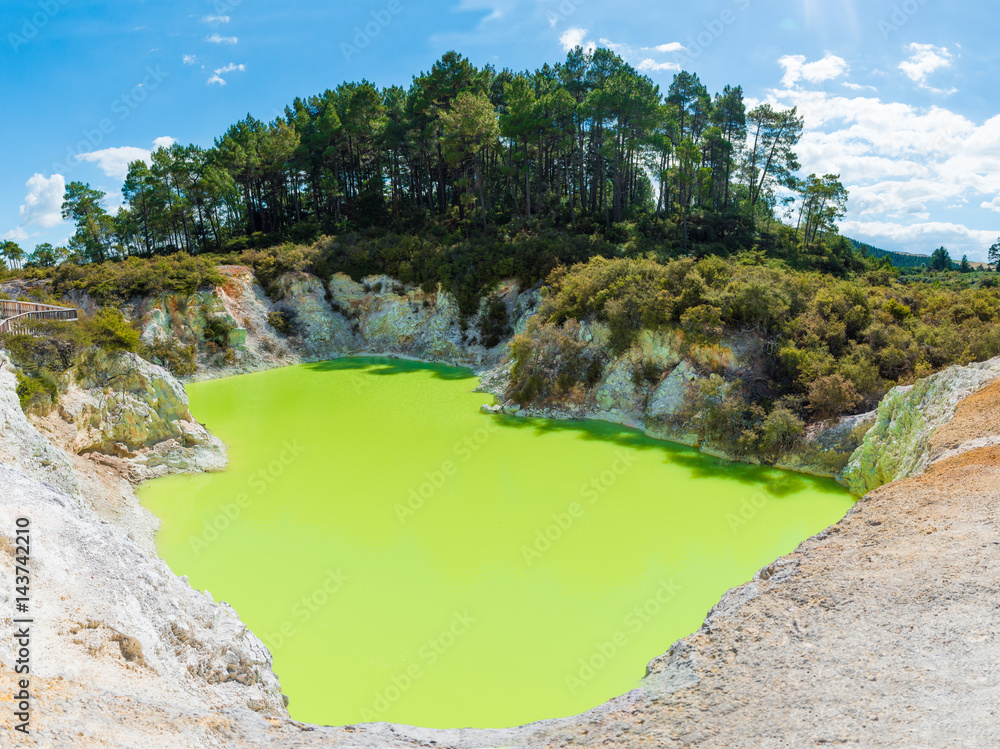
pixel 455 609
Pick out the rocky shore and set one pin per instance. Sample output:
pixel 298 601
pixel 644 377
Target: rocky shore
pixel 877 632
pixel 378 316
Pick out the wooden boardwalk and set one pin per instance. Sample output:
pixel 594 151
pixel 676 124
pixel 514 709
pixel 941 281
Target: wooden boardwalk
pixel 14 316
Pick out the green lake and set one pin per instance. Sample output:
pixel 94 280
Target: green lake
pixel 409 559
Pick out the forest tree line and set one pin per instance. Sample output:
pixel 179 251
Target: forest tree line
pixel 584 144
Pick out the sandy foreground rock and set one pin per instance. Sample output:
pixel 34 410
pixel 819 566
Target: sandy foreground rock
pixel 881 631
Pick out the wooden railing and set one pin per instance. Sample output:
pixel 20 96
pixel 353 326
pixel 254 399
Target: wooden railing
pixel 15 315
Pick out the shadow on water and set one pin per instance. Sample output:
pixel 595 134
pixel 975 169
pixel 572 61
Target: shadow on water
pixel 386 366
pixel 776 482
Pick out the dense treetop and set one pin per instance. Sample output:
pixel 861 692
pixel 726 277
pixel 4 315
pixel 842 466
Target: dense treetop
pixel 583 145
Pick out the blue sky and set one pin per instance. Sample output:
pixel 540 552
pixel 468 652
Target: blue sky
pixel 900 98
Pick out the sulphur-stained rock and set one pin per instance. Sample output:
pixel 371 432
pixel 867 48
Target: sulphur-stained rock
pixel 342 317
pixel 898 444
pixel 179 317
pixel 392 318
pixel 618 395
pixel 826 448
pixel 348 294
pixel 321 332
pixel 22 446
pixel 521 305
pixel 240 300
pixel 664 348
pixel 671 403
pixel 412 322
pixel 114 617
pixel 126 407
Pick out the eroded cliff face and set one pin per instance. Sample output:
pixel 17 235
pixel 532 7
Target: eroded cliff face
pixel 22 447
pixel 121 407
pixel 240 302
pixel 663 407
pixel 376 316
pixel 908 418
pixel 109 615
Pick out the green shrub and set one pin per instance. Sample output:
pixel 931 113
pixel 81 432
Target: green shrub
pixel 832 395
pixel 36 393
pixel 725 417
pixel 118 282
pixel 779 432
pixel 181 360
pixel 283 321
pixel 272 263
pixel 873 330
pixel 111 331
pixel 52 345
pixel 702 324
pixel 897 309
pixel 552 362
pixel 494 323
pixel 646 372
pixel 218 329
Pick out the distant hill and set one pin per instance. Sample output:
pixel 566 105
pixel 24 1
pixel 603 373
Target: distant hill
pixel 898 259
pixel 906 259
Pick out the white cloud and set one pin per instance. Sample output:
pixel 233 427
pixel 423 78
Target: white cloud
pixel 216 19
pixel 114 161
pixel 902 165
pixel 650 65
pixel 576 37
pixel 163 142
pixel 218 39
pixel 190 59
pixel 621 49
pixel 924 60
pixel 572 38
pixel 926 235
pixel 671 47
pixel 16 235
pixel 218 80
pixel 858 87
pixel 826 69
pixel 43 203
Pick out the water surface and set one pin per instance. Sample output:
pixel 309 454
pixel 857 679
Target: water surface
pixel 409 559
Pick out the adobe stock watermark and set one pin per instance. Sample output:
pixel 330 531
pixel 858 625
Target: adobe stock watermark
pixel 122 106
pixel 634 622
pixel 698 43
pixel 428 654
pixel 749 508
pixel 436 478
pixel 305 609
pixel 899 17
pixel 564 11
pixel 563 522
pixel 258 482
pixel 224 6
pixel 31 25
pixel 366 34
